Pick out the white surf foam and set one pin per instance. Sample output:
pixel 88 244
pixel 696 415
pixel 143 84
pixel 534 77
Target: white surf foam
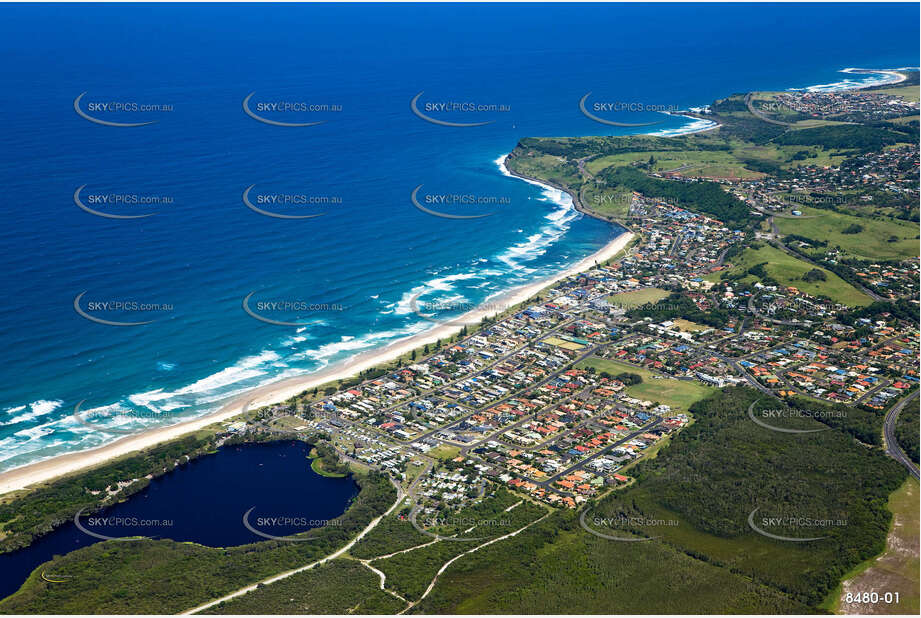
pixel 696 126
pixel 871 77
pixel 37 409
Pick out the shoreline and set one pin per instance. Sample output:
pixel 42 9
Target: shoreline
pixel 50 469
pixel 679 132
pixel 276 392
pixel 895 76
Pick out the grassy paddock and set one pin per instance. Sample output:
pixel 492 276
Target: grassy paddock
pixel 788 270
pixel 629 300
pixel 871 243
pixel 675 393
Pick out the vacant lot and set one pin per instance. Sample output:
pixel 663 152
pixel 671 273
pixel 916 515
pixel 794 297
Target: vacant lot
pixel 688 326
pixel 629 300
pixel 788 270
pixel 705 163
pixel 675 393
pixel 562 343
pixel 873 242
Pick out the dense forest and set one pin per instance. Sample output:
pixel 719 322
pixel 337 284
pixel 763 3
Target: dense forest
pixel 863 425
pixel 703 196
pixel 723 466
pixel 907 430
pixel 556 567
pixel 677 305
pixel 851 137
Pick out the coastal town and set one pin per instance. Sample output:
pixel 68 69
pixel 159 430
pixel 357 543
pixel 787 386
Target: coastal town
pixel 551 400
pixel 848 105
pixel 559 398
pixel 600 440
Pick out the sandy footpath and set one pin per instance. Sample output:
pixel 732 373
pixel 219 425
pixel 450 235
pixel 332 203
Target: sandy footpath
pixel 276 392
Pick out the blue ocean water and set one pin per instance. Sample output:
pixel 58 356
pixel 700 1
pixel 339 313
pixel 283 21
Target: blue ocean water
pixel 372 251
pixel 204 502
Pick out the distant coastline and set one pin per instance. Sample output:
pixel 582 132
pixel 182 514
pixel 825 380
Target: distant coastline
pixel 893 76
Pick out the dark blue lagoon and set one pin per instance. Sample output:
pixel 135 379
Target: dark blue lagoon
pixel 205 502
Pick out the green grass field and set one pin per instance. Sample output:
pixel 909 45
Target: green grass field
pixel 555 169
pixel 871 243
pixel 287 423
pixel 443 452
pixel 688 326
pixel 909 93
pixel 788 270
pixel 675 393
pixel 636 298
pixel 606 201
pixel 709 163
pixel 782 156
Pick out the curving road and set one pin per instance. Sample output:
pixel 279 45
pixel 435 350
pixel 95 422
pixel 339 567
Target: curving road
pixel 892 446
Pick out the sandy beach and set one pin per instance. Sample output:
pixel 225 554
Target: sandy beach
pixel 894 76
pixel 43 471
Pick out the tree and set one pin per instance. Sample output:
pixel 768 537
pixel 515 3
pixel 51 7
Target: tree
pixel 814 275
